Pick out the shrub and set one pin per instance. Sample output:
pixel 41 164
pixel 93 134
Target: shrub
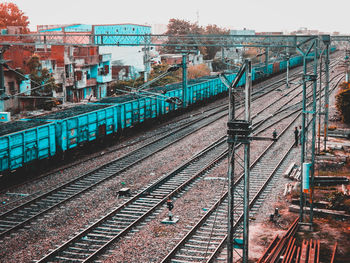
pixel 343 101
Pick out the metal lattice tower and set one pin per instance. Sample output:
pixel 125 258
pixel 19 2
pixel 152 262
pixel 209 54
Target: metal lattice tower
pixel 239 132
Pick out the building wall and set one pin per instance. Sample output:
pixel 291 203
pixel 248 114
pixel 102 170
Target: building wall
pixel 11 88
pixel 128 29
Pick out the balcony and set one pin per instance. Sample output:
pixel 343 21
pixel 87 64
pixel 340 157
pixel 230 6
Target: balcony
pixel 85 83
pixel 104 78
pixel 91 82
pixel 86 60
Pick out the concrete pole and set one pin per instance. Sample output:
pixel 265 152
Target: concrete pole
pixel 302 138
pixel 320 107
pixel 248 91
pixel 313 144
pixel 287 78
pixel 184 80
pixel 266 60
pixel 231 178
pixel 326 98
pixel 2 83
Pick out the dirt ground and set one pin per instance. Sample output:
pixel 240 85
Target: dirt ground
pixel 327 229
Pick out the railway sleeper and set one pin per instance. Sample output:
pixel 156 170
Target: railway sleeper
pixel 189 257
pixel 203 251
pixel 206 233
pixel 136 208
pixel 201 242
pixel 75 254
pixel 217 222
pixel 80 250
pixel 127 216
pixel 210 227
pixel 33 208
pixel 206 237
pixel 106 232
pixel 71 190
pixel 62 195
pixel 161 193
pixel 85 245
pixel 107 228
pixel 148 203
pixel 146 200
pixel 168 186
pixel 95 235
pixel 133 212
pixel 93 240
pixel 68 260
pixel 52 199
pixel 181 261
pixel 199 247
pixel 74 188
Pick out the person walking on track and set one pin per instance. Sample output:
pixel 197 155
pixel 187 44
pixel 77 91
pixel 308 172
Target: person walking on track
pixel 296 136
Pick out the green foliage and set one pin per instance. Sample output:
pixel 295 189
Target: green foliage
pixel 343 102
pixel 179 27
pixel 218 65
pixel 40 77
pixel 156 71
pixel 11 15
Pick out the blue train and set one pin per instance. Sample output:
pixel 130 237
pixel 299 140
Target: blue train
pixel 43 137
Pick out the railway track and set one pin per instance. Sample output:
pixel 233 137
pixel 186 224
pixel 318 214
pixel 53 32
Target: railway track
pixel 205 241
pixel 90 243
pixel 19 216
pixel 182 122
pixel 155 193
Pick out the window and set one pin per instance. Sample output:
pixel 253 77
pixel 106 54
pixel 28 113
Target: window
pixel 11 85
pixel 78 75
pixel 66 69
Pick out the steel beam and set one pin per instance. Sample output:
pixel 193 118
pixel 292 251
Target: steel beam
pixel 89 39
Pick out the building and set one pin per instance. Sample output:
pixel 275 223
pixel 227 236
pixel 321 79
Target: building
pixel 80 71
pixel 244 32
pixel 100 35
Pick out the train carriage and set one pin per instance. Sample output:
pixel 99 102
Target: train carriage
pixel 66 129
pixel 81 124
pixel 22 142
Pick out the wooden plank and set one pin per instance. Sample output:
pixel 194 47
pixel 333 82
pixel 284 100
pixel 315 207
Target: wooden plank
pixel 334 251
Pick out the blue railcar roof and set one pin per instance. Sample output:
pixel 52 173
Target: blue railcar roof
pixel 71 112
pixel 16 126
pixel 119 99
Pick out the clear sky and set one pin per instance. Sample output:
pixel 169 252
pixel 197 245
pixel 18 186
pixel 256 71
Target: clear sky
pixel 261 15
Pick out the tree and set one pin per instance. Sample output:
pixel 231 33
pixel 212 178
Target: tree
pixel 178 27
pixel 40 76
pixel 213 30
pixel 343 101
pixel 11 15
pixel 156 71
pixel 198 71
